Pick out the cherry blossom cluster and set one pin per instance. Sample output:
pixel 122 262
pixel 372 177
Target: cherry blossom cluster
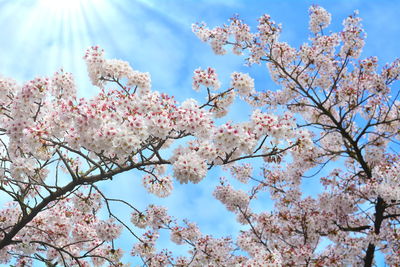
pixel 204 249
pixel 208 78
pixel 190 167
pixel 228 137
pixel 221 103
pixel 69 231
pixel 154 217
pixel 319 19
pixel 232 199
pixel 206 34
pixel 387 180
pixel 101 70
pixel 63 85
pixel 94 60
pixel 243 83
pixel 352 37
pixel 242 172
pixel 280 127
pixel 191 119
pixel 108 230
pixel 159 186
pixel 7 86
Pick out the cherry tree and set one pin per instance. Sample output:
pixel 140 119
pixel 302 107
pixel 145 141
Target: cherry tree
pixel 334 114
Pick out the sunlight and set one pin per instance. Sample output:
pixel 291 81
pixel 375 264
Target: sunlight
pixel 52 32
pixel 55 33
pixel 61 6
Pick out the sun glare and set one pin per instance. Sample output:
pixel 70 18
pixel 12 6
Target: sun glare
pixel 65 28
pixel 53 33
pixel 62 5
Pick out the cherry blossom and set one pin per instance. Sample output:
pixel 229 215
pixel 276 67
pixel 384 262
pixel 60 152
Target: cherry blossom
pixel 207 78
pixel 333 123
pixel 344 110
pixel 319 19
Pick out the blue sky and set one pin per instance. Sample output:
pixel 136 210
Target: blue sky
pixel 40 36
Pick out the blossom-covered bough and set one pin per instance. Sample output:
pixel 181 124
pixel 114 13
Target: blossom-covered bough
pixel 349 115
pixel 45 129
pixel 334 110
